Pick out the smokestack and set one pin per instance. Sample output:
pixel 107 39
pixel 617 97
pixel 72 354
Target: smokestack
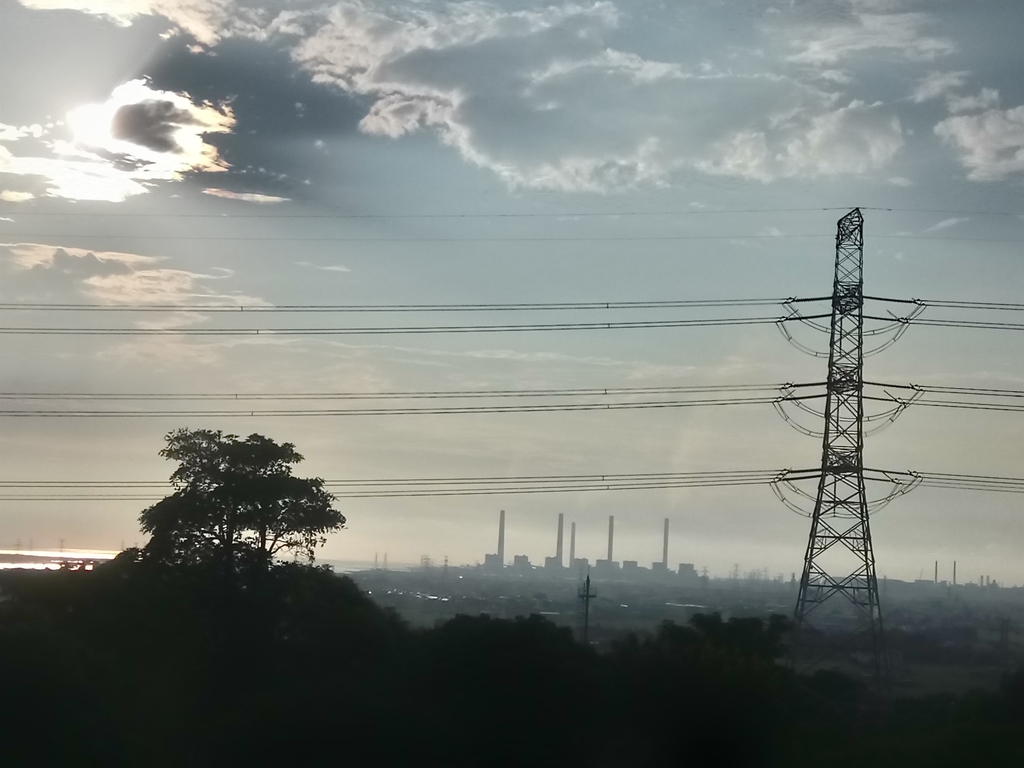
pixel 936 571
pixel 558 544
pixel 664 546
pixel 572 544
pixel 954 573
pixel 501 538
pixel 611 535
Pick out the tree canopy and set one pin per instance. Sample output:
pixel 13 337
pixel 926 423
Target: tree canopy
pixel 236 503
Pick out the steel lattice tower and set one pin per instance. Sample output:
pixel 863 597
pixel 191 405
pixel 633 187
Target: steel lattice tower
pixel 840 561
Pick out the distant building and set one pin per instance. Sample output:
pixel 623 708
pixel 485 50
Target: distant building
pixel 521 563
pixel 492 563
pixel 580 564
pixel 629 565
pixel 553 564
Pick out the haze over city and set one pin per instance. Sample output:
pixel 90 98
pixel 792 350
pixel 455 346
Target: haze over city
pixel 187 157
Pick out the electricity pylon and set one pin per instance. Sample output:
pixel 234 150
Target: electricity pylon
pixel 586 596
pixel 840 561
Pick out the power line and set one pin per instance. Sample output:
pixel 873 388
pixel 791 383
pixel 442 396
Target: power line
pixel 985 305
pixel 952 304
pixel 424 240
pixel 449 410
pixel 747 396
pixel 424 487
pixel 501 215
pixel 976 324
pixel 456 480
pixel 407 395
pixel 295 308
pixel 387 330
pixel 524 215
pixel 492 307
pixel 346 239
pixel 526 484
pixel 967 390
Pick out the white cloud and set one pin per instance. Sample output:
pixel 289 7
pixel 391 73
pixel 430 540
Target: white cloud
pixel 138 137
pixel 871 30
pixel 158 286
pixel 324 268
pixel 113 277
pixel 946 224
pixel 991 144
pixel 985 99
pixel 245 197
pixel 13 132
pixel 854 139
pixel 938 84
pixel 12 196
pixel 28 255
pixel 206 20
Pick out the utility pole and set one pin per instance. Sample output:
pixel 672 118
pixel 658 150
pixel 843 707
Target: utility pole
pixel 586 596
pixel 840 560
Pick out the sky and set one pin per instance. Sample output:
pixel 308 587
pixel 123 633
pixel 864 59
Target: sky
pixel 211 153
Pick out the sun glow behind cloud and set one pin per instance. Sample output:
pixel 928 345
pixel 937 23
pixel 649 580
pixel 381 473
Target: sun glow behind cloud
pixel 138 137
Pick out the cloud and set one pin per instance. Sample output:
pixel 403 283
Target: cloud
pixel 946 224
pixel 991 144
pixel 985 99
pixel 25 256
pixel 12 196
pixel 111 277
pixel 326 268
pixel 853 139
pixel 120 148
pixel 540 97
pixel 865 28
pixel 151 124
pixel 206 20
pixel 938 84
pixel 152 128
pixel 247 197
pixel 13 132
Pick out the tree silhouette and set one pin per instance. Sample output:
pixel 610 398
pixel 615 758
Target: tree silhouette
pixel 236 503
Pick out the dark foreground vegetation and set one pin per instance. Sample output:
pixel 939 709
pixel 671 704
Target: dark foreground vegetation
pixel 202 649
pixel 141 664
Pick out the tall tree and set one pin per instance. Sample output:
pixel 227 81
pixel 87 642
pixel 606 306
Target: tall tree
pixel 236 502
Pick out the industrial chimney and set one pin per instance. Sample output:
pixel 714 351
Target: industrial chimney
pixel 501 538
pixel 558 543
pixel 664 546
pixel 611 535
pixel 572 545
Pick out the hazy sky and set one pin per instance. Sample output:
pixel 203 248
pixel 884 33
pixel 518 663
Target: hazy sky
pixel 220 152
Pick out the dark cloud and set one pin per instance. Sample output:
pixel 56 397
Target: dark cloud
pixel 281 113
pixel 269 93
pixel 151 124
